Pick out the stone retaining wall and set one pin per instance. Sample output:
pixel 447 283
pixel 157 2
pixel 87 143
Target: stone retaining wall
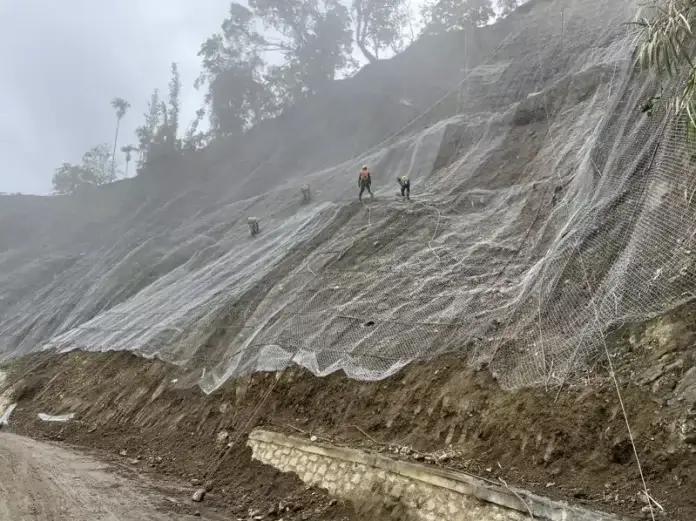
pixel 428 494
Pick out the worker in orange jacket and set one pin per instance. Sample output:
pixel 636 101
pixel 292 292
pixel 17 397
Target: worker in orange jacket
pixel 364 182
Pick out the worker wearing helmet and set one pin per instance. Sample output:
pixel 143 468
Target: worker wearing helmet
pixel 253 223
pixel 405 185
pixel 364 182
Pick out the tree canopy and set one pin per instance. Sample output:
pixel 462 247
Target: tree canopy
pixel 273 53
pixel 267 57
pixel 94 170
pixel 451 15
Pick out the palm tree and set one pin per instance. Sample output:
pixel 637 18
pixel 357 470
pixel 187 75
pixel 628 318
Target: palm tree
pixel 128 150
pixel 121 107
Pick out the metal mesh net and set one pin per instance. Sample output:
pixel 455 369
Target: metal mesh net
pixel 546 208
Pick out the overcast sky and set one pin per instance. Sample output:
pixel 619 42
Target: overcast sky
pixel 63 61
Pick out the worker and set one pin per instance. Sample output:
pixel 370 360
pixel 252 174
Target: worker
pixel 364 182
pixel 253 223
pixel 405 186
pixel 305 193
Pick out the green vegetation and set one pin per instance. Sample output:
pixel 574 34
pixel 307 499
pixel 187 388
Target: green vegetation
pixel 269 56
pixel 95 169
pixel 665 46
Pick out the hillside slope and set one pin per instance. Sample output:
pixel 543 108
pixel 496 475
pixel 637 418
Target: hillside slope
pixel 543 213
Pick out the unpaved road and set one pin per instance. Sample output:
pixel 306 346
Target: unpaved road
pixel 39 481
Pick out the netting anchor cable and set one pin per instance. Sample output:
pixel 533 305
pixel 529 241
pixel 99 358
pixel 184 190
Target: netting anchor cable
pixel 618 393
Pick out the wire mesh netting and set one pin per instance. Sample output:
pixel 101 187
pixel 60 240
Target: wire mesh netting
pixel 546 208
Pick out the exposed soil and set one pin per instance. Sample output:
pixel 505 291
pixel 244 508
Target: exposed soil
pixel 568 443
pixel 44 482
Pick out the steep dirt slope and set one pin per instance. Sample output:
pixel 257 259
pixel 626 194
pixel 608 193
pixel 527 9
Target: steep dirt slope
pixel 568 443
pixel 537 155
pixel 548 248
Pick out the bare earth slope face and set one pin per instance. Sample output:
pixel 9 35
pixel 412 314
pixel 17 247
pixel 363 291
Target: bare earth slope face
pixel 546 209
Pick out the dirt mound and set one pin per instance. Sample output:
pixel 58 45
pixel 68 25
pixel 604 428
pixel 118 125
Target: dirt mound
pixel 566 443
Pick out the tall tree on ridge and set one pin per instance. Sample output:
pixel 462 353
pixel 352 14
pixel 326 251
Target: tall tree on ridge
pixel 121 106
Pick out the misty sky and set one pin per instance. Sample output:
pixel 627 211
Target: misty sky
pixel 63 61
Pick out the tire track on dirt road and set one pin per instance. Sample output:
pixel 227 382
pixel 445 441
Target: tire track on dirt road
pixel 48 483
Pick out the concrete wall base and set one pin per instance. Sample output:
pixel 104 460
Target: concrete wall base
pixel 424 493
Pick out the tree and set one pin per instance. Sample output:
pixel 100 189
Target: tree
pixel 194 139
pixel 505 7
pixel 379 25
pixel 98 161
pixel 449 15
pixel 174 105
pixel 233 70
pixel 146 132
pixel 67 179
pixel 128 151
pixel 273 53
pixel 96 169
pixel 665 45
pixel 121 106
pixel 316 43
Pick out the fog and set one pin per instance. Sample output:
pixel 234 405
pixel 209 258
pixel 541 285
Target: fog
pixel 63 62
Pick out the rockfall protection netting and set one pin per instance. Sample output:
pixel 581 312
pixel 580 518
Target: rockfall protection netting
pixel 546 208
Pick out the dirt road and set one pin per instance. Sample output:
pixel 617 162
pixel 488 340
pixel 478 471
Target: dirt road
pixel 43 482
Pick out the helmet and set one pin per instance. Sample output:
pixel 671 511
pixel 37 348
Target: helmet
pixel 364 167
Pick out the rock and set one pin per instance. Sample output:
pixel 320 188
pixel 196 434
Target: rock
pixel 418 457
pixel 312 438
pixel 651 374
pixel 123 452
pixel 578 493
pixel 197 513
pixel 690 438
pixel 208 485
pixel 196 482
pixel 198 495
pixel 222 437
pixel 686 389
pixel 674 366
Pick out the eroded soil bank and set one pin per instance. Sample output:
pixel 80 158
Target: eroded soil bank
pixel 566 443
